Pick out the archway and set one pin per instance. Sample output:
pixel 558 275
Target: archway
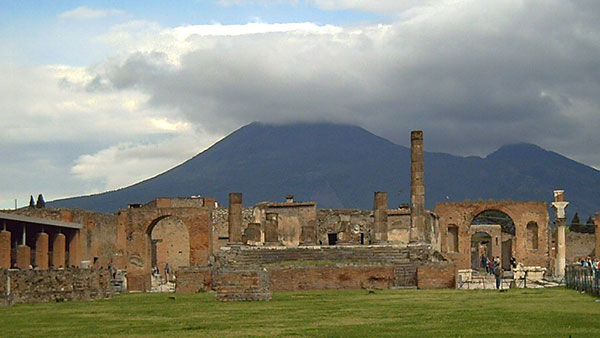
pixel 169 243
pixel 481 245
pixel 501 244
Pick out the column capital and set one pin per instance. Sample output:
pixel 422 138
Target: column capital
pixel 559 207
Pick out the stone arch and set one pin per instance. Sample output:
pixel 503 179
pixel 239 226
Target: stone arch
pixel 452 238
pixel 532 235
pixel 169 242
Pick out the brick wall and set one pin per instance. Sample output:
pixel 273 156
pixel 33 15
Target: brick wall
pixel 436 275
pixel 293 278
pixel 35 286
pixel 242 285
pixel 193 279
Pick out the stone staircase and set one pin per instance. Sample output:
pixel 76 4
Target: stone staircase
pixel 351 255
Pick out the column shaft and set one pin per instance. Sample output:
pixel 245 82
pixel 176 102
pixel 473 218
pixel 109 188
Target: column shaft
pixel 235 217
pixel 23 257
pixel 417 186
pixel 58 251
pixel 41 251
pixel 5 251
pixel 380 226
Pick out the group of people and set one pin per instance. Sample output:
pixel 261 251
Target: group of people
pixel 156 272
pixel 493 267
pixel 589 263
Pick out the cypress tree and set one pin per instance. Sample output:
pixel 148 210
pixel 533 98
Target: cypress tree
pixel 40 202
pixel 31 202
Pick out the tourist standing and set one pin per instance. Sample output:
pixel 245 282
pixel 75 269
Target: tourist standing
pixel 167 271
pixel 498 274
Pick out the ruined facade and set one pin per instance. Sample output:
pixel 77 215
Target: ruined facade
pixel 250 251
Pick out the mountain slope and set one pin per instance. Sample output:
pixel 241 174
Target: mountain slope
pixel 341 166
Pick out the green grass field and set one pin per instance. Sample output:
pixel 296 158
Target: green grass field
pixel 554 312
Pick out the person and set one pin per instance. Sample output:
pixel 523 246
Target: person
pixel 513 262
pixel 167 271
pixel 490 266
pixel 484 262
pixel 155 271
pixel 498 273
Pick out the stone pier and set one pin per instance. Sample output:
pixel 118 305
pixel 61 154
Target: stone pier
pixel 74 250
pixel 308 234
pixel 4 249
pixel 235 217
pixel 58 251
pixel 380 227
pixel 271 224
pixel 41 251
pixel 559 206
pixel 417 187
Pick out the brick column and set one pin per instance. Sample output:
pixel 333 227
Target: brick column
pixel 235 217
pixel 597 222
pixel 417 186
pixel 58 251
pixel 380 219
pixel 41 251
pixel 271 232
pixel 4 249
pixel 559 206
pixel 23 257
pixel 75 250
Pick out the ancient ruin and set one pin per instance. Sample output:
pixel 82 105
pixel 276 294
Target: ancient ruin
pixel 246 253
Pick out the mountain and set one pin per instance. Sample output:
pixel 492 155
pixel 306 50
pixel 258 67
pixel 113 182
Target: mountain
pixel 340 166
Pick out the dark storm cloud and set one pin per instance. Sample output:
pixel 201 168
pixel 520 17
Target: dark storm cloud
pixel 472 76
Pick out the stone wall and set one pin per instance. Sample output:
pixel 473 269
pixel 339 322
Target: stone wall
pixel 220 225
pixel 35 286
pixel 579 245
pixel 193 279
pixel 436 275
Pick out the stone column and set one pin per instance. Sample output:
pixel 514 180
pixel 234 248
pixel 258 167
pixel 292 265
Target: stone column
pixel 271 232
pixel 41 251
pixel 559 206
pixel 235 217
pixel 417 187
pixel 75 250
pixel 58 251
pixel 380 227
pixel 5 249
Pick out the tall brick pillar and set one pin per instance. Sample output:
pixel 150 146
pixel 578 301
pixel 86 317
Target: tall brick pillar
pixel 308 234
pixel 597 222
pixel 271 232
pixel 417 186
pixel 4 249
pixel 41 251
pixel 559 206
pixel 58 251
pixel 23 257
pixel 235 217
pixel 75 250
pixel 380 227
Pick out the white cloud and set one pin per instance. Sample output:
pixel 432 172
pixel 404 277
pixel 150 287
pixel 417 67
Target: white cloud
pixel 85 13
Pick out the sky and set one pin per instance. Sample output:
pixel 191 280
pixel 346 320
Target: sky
pixel 98 95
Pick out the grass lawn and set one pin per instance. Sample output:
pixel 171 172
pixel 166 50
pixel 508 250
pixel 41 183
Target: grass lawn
pixel 556 312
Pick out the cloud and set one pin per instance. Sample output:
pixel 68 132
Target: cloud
pixel 472 75
pixel 85 13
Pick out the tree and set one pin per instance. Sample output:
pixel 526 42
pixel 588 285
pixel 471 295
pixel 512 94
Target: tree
pixel 31 202
pixel 40 202
pixel 575 220
pixel 590 221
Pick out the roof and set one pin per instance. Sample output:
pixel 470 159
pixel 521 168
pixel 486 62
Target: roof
pixel 40 221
